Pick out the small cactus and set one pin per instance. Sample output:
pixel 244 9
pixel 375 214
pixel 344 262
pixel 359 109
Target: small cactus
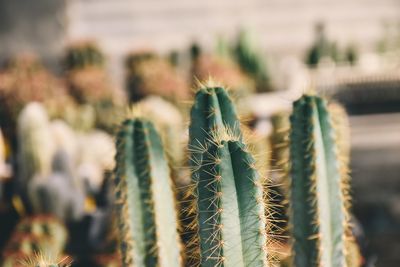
pixel 318 212
pixel 145 204
pixel 252 61
pixel 152 75
pixel 83 55
pixel 31 237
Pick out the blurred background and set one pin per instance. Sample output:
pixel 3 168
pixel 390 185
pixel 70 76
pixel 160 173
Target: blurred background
pixel 70 68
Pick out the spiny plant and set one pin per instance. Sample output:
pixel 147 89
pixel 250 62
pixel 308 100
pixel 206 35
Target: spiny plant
pixel 148 223
pixel 317 201
pixel 252 61
pixel 34 235
pixel 35 144
pixel 148 74
pixel 40 259
pixel 82 55
pixel 23 80
pixel 228 205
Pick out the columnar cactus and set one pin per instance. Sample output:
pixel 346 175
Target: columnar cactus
pixel 145 199
pixel 228 197
pixel 317 191
pixel 35 144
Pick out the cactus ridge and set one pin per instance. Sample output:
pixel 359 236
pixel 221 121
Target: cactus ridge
pixel 145 199
pixel 317 200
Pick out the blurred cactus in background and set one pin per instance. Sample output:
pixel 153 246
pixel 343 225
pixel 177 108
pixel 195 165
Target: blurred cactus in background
pixel 145 200
pixel 82 55
pixel 89 83
pixel 33 236
pixel 35 144
pixel 148 74
pixel 169 122
pixel 59 193
pixel 319 213
pixel 223 70
pixel 24 80
pixel 252 61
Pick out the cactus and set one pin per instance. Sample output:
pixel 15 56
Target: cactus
pixel 151 75
pixel 145 199
pixel 41 260
pixel 169 123
pixel 25 80
pixel 225 71
pixel 58 194
pixel 32 236
pixel 35 144
pixel 228 199
pixel 318 209
pixel 252 61
pixel 83 55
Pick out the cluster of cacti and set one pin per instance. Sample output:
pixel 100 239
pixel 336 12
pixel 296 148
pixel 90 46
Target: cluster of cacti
pixel 82 55
pixel 148 220
pixel 227 214
pixel 152 75
pixel 25 80
pixel 35 236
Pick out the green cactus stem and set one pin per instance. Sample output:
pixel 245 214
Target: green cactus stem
pixel 317 198
pixel 228 195
pixel 145 199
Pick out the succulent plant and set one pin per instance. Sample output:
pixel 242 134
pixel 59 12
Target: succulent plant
pixel 223 70
pixel 82 55
pixel 317 201
pixel 152 75
pixel 252 61
pixel 148 223
pixel 35 144
pixel 31 237
pixel 230 224
pixel 60 193
pixel 25 80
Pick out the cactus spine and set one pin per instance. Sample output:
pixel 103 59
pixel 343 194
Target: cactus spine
pixel 145 199
pixel 317 198
pixel 228 197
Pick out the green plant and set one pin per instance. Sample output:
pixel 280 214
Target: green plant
pixel 252 61
pixel 83 55
pixel 145 204
pixel 317 202
pixel 151 75
pixel 229 225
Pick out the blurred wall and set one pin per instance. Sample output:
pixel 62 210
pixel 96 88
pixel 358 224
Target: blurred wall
pixel 32 26
pixel 283 25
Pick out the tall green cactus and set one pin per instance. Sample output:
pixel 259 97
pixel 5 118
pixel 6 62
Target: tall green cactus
pixel 317 199
pixel 145 199
pixel 228 197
